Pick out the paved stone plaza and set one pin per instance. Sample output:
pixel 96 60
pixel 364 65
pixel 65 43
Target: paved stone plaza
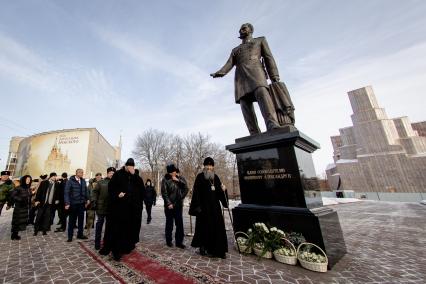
pixel 385 243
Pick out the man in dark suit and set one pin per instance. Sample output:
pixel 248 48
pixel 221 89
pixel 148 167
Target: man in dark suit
pixel 250 78
pixel 46 198
pixel 62 213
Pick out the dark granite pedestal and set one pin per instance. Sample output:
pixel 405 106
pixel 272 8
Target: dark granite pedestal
pixel 278 187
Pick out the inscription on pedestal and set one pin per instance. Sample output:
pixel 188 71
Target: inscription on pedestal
pixel 266 174
pixel 278 172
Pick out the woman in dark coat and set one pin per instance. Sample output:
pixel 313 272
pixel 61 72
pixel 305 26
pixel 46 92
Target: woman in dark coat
pixel 126 192
pixel 208 193
pixel 20 198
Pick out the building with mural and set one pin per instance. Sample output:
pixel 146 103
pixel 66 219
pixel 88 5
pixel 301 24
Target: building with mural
pixel 62 151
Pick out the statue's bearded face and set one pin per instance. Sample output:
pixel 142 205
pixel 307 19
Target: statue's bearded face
pixel 245 31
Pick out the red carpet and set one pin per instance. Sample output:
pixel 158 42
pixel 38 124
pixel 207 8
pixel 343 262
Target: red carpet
pixel 145 266
pixel 153 270
pixel 101 262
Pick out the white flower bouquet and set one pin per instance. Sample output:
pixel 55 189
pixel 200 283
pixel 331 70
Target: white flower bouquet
pixel 286 254
pixel 311 260
pixel 243 242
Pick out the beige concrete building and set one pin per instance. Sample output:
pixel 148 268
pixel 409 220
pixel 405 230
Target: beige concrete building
pixel 13 150
pixel 62 151
pixel 378 154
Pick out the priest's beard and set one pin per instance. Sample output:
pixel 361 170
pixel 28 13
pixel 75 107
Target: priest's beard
pixel 209 175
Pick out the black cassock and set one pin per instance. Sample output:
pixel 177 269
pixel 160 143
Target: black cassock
pixel 125 214
pixel 209 226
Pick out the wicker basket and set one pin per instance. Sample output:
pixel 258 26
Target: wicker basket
pixel 314 266
pixel 292 260
pixel 258 252
pixel 242 248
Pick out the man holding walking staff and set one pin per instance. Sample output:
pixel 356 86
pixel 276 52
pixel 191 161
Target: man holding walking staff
pixel 208 193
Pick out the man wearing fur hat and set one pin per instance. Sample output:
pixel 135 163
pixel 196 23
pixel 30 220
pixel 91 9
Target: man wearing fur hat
pixel 208 193
pixel 173 190
pixel 46 198
pixel 6 186
pixel 33 208
pixel 126 193
pixel 99 199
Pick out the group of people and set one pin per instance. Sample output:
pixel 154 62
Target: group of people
pixel 116 201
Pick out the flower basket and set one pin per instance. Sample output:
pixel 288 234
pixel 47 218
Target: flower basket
pixel 312 265
pixel 259 252
pixel 243 246
pixel 287 259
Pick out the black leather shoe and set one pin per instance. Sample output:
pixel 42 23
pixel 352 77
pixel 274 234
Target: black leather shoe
pixel 116 256
pixel 15 236
pixel 44 233
pixel 169 244
pixel 69 240
pixel 104 251
pixel 35 233
pixel 82 238
pixel 181 246
pixel 203 251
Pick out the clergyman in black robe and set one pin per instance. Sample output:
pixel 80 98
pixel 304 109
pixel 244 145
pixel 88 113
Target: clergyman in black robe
pixel 126 193
pixel 208 193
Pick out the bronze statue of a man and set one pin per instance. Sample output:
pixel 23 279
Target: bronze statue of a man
pixel 250 58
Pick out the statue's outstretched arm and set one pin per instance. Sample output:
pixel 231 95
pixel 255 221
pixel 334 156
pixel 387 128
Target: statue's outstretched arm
pixel 225 69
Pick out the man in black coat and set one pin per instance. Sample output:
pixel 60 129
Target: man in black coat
pixel 46 197
pixel 150 199
pixel 173 190
pixel 62 213
pixel 126 192
pixel 208 193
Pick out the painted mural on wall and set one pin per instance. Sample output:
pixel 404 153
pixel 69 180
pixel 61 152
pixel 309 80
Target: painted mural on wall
pixel 54 152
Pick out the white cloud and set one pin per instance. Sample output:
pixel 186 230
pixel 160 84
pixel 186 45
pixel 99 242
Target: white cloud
pixel 69 82
pixel 195 98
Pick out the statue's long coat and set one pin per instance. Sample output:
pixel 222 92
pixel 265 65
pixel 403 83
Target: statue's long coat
pixel 250 73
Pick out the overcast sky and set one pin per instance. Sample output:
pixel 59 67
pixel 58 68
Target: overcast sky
pixel 127 66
